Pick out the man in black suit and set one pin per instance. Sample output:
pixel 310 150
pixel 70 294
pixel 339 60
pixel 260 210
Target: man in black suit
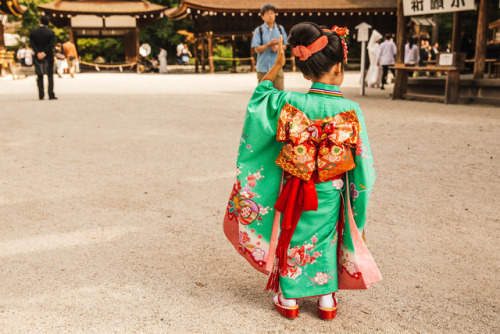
pixel 42 41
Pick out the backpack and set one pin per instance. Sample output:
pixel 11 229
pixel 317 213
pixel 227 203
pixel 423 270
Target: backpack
pixel 280 28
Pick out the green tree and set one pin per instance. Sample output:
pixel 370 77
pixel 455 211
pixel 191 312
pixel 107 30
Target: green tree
pixel 163 32
pixel 29 20
pixel 111 49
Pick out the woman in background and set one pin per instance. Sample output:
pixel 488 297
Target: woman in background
pixel 374 75
pixel 162 57
pixel 60 60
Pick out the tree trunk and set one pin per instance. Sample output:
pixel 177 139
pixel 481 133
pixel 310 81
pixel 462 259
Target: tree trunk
pixel 482 30
pixel 435 29
pixel 210 53
pixel 196 54
pixel 400 33
pixel 457 31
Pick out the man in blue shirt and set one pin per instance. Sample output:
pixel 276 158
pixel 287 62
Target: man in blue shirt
pixel 265 42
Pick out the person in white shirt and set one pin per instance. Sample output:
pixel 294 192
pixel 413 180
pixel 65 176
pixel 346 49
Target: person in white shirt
pixel 385 57
pixel 162 57
pixel 411 52
pixel 435 48
pixel 21 53
pixel 28 56
pixel 180 49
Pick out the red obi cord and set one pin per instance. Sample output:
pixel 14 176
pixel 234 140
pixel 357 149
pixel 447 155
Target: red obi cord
pixel 297 196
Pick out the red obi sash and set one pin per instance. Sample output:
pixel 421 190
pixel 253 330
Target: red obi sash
pixel 315 151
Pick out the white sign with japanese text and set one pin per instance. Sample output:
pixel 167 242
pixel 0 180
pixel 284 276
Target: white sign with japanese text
pixel 423 7
pixel 445 59
pixel 362 29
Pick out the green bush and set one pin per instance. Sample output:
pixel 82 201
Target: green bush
pixel 224 52
pixel 111 49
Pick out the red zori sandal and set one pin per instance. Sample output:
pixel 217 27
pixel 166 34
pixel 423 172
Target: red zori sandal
pixel 290 312
pixel 328 313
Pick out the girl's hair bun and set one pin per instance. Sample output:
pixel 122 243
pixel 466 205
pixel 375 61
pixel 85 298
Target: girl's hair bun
pixel 322 61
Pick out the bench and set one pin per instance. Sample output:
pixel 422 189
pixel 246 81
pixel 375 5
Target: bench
pixel 451 85
pixel 490 63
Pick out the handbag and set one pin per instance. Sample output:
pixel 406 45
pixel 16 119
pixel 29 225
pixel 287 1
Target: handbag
pixel 356 267
pixel 41 66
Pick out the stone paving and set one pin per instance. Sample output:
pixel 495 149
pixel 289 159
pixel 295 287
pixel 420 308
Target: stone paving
pixel 112 199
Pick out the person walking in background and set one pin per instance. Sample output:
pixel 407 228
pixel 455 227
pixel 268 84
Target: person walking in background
pixel 265 42
pixel 42 40
pixel 180 49
pixel 60 59
pixel 411 52
pixel 374 74
pixel 385 57
pixel 186 54
pixel 20 55
pixel 71 56
pixel 28 56
pixel 162 57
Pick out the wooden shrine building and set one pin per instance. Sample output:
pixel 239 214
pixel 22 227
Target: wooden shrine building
pixel 104 18
pixel 9 7
pixel 454 86
pixel 215 19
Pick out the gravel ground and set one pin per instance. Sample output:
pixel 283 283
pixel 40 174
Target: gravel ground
pixel 112 199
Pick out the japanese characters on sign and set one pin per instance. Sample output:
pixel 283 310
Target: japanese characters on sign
pixel 362 34
pixel 423 7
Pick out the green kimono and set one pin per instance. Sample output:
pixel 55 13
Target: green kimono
pixel 312 267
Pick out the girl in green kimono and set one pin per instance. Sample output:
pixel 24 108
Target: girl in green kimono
pixel 297 154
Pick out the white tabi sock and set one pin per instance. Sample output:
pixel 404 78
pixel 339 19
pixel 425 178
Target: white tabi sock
pixel 326 301
pixel 285 302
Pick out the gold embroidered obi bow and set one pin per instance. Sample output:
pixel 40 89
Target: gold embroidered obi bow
pixel 322 145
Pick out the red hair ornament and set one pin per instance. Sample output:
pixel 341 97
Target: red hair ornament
pixel 342 32
pixel 303 52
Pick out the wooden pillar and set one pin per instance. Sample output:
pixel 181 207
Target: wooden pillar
pixel 196 55
pixel 435 29
pixel 132 45
pixel 210 53
pixel 400 33
pixel 72 36
pixel 2 40
pixel 400 85
pixel 451 87
pixel 401 76
pixel 233 45
pixel 457 31
pixel 482 30
pixel 203 54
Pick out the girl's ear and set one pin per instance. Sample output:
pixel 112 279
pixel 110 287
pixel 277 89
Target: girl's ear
pixel 306 77
pixel 337 68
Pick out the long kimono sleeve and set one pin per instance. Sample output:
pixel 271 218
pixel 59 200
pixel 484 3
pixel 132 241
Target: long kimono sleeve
pixel 361 178
pixel 249 216
pixel 357 269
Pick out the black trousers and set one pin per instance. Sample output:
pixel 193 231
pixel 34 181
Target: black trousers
pixel 39 82
pixel 385 70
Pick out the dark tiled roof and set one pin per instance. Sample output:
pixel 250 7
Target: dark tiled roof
pixel 281 5
pixel 101 7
